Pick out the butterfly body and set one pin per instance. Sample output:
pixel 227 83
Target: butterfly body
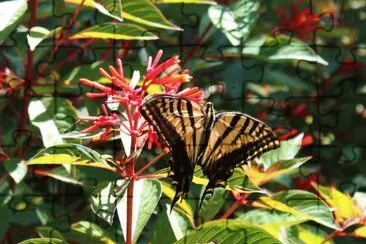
pixel 218 142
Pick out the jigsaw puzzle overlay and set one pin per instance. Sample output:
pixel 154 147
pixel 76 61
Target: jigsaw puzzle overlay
pixel 80 163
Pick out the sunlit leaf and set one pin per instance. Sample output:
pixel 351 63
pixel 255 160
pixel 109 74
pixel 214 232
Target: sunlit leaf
pixel 106 196
pixel 37 34
pixel 228 231
pixel 115 31
pixel 178 222
pixel 70 154
pixel 43 241
pixel 259 177
pixel 11 13
pixel 16 171
pixel 144 12
pixel 344 206
pixel 237 21
pixel 146 195
pixel 360 232
pixel 181 205
pixel 88 232
pixel 312 234
pixel 287 150
pixel 302 204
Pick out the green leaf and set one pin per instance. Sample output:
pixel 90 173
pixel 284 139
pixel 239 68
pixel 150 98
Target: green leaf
pixel 236 22
pixel 275 49
pixel 49 232
pixel 186 1
pixel 37 34
pixel 302 204
pixel 43 119
pixel 115 31
pixel 182 205
pixel 88 232
pixel 105 198
pixel 212 205
pixel 275 222
pixel 111 8
pixel 43 241
pixel 178 222
pixel 70 153
pixel 11 13
pixel 5 213
pixel 229 231
pixel 144 12
pixel 16 171
pixel 287 150
pixel 51 115
pixel 146 196
pixel 311 234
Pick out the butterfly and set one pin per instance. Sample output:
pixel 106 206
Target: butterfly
pixel 218 142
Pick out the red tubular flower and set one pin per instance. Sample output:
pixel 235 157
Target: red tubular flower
pixel 301 22
pixel 127 96
pixel 307 140
pixel 194 94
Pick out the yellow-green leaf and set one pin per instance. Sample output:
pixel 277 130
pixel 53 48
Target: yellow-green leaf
pixel 360 232
pixel 344 206
pixel 302 204
pixel 182 205
pixel 115 31
pixel 146 13
pixel 258 177
pixel 66 159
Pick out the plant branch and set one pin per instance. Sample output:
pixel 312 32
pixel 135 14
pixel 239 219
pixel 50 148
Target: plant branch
pixel 200 40
pixel 32 5
pixel 152 162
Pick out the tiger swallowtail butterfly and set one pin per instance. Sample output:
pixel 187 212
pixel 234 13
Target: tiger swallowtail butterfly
pixel 218 142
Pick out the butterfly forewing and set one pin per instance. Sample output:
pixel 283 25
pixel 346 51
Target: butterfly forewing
pixel 179 124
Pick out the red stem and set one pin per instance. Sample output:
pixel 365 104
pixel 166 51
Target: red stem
pixel 28 75
pixel 231 210
pixel 131 173
pixel 200 40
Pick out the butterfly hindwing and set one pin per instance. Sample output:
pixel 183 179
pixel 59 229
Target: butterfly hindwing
pixel 234 139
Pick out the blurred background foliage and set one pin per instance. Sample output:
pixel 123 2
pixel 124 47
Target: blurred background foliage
pixel 297 65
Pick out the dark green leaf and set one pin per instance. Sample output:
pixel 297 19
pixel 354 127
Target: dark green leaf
pixel 212 205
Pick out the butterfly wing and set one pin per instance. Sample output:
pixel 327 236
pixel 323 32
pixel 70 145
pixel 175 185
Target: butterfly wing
pixel 235 139
pixel 179 124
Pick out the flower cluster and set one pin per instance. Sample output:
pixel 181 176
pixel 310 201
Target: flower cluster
pixel 124 98
pixel 9 81
pixel 300 22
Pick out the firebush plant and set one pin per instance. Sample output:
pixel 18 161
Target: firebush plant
pixel 79 164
